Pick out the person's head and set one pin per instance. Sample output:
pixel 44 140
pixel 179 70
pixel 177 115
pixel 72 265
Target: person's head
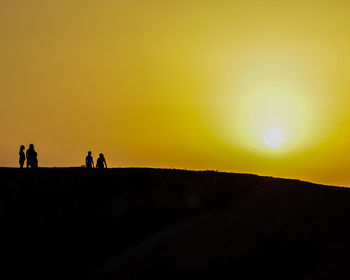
pixel 101 155
pixel 89 153
pixel 22 148
pixel 31 147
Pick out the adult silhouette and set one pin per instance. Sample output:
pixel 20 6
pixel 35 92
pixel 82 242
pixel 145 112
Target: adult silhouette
pixel 89 161
pixel 101 162
pixel 22 156
pixel 32 157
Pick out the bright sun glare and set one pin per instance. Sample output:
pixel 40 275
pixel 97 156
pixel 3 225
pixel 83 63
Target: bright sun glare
pixel 267 109
pixel 273 137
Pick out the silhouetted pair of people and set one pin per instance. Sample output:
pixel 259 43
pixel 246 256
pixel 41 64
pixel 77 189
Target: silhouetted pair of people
pixel 31 156
pixel 101 161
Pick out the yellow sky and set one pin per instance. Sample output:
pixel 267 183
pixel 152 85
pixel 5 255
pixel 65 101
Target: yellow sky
pixel 179 84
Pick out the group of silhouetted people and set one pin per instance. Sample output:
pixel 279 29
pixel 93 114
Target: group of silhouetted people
pixel 101 161
pixel 31 156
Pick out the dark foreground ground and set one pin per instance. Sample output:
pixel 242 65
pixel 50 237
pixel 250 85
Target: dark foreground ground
pixel 169 224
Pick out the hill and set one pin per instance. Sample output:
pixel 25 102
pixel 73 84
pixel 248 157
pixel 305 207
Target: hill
pixel 139 223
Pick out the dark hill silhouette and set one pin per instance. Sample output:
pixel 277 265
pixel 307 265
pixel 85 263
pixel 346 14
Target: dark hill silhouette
pixel 135 223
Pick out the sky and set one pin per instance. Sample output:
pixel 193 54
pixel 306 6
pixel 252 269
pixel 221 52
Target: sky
pixel 249 86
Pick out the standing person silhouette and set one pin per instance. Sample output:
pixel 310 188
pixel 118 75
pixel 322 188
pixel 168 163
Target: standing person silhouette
pixel 22 156
pixel 32 157
pixel 89 161
pixel 101 162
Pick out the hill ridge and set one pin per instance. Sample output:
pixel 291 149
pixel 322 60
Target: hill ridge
pixel 76 223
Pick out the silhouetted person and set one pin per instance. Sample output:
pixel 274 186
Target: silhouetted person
pixel 22 156
pixel 89 161
pixel 32 157
pixel 101 162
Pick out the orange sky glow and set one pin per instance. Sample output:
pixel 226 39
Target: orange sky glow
pixel 240 86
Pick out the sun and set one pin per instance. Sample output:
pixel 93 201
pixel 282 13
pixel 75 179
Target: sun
pixel 273 137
